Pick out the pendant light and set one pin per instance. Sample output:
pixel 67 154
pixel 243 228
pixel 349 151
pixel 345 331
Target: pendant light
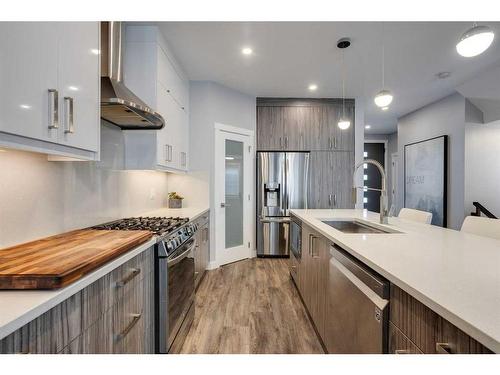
pixel 344 122
pixel 475 41
pixel 384 97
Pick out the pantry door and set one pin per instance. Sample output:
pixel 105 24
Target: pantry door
pixel 233 193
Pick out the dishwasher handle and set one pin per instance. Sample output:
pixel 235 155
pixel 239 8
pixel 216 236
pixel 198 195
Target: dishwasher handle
pixel 367 276
pixel 378 301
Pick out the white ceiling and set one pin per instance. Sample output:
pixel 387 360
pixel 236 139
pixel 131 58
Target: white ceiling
pixel 290 55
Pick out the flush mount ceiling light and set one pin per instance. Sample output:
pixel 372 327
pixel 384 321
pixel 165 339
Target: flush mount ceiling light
pixel 343 123
pixel 475 41
pixel 313 87
pixel 384 96
pixel 246 51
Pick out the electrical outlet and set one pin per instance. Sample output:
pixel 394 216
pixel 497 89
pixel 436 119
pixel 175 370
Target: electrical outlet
pixel 152 194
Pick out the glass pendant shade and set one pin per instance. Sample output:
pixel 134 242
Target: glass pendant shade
pixel 383 98
pixel 475 41
pixel 344 124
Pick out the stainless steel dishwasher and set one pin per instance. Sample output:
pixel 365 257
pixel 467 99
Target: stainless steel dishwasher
pixel 357 307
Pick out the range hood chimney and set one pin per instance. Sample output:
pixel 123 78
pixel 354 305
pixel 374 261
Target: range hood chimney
pixel 119 105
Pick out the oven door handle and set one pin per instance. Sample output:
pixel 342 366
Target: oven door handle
pixel 183 255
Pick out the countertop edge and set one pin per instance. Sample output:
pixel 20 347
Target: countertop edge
pixel 66 292
pixel 465 326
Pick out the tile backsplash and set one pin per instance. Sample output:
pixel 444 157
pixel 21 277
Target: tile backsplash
pixel 39 198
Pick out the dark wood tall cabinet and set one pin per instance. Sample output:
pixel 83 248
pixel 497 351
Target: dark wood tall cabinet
pixel 311 125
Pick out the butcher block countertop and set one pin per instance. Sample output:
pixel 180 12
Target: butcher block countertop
pixel 57 261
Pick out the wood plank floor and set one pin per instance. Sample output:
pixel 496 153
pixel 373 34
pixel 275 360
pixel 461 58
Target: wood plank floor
pixel 250 306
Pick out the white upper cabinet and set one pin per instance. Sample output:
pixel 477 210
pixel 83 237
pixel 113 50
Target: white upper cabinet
pixel 49 73
pixel 28 69
pixel 152 74
pixel 79 85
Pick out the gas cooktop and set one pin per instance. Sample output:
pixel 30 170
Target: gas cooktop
pixel 158 225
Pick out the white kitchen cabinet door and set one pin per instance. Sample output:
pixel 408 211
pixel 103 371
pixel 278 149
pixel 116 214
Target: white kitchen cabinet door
pixel 28 69
pixel 79 84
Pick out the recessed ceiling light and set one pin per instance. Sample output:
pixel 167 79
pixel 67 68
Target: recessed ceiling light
pixel 24 106
pixel 313 87
pixel 385 108
pixel 73 88
pixel 95 51
pixel 368 126
pixel 246 51
pixel 475 41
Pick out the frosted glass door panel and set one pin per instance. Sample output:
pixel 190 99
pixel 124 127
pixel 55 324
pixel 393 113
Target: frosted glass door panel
pixel 234 193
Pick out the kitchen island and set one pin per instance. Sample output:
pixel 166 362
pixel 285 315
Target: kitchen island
pixel 454 274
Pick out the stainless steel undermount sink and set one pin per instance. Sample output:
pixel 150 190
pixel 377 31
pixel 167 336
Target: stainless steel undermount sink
pixel 358 227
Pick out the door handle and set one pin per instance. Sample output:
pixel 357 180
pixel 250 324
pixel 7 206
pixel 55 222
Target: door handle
pixel 68 115
pixel 224 205
pixel 443 348
pixel 53 109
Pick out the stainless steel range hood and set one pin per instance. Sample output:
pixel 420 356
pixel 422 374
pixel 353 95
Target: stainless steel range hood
pixel 119 105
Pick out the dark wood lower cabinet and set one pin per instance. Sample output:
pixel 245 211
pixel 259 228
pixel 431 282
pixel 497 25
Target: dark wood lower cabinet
pixel 399 343
pixel 429 332
pixel 115 314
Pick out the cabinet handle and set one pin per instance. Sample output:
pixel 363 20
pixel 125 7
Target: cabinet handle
pixel 443 348
pixel 335 200
pixel 330 200
pixel 401 351
pixel 131 275
pixel 53 109
pixel 281 145
pixel 68 115
pixel 286 142
pixel 335 142
pixel 330 146
pixel 135 319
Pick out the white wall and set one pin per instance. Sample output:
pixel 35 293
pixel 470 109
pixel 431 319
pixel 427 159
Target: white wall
pixel 482 166
pixel 39 198
pixel 444 117
pixel 211 102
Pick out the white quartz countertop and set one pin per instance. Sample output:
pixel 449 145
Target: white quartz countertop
pixel 18 307
pixel 455 274
pixel 192 213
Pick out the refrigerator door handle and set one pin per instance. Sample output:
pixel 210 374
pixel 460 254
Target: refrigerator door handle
pixel 286 190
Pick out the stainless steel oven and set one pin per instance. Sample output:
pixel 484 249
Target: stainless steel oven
pixel 175 290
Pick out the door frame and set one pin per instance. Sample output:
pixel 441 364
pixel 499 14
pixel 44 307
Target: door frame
pixel 394 180
pixel 249 178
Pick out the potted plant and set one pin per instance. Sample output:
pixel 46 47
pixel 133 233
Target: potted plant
pixel 174 200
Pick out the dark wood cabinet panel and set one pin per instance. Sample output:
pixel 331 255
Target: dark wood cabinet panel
pixel 399 343
pixel 270 132
pixel 313 276
pixel 414 319
pixel 430 332
pixel 304 125
pixel 330 179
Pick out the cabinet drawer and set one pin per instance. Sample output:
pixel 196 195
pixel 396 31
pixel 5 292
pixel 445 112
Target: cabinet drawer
pixel 415 320
pixel 49 333
pixel 101 295
pixel 399 343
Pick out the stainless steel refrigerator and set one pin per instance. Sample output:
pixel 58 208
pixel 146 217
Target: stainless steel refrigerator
pixel 282 183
